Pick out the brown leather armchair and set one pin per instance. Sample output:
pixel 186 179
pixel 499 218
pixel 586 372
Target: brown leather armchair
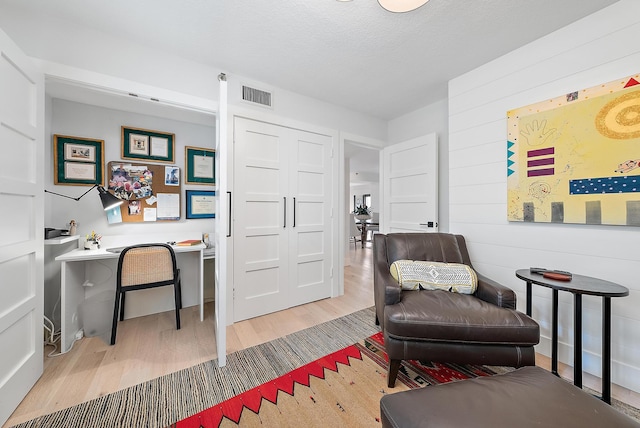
pixel 441 326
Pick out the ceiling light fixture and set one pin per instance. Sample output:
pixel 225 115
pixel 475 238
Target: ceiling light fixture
pixel 400 6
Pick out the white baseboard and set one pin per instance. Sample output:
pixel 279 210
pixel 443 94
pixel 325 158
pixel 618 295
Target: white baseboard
pixel 621 374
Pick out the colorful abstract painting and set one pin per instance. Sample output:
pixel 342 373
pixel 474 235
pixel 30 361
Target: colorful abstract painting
pixel 576 158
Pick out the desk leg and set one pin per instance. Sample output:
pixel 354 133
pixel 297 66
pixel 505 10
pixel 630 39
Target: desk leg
pixel 606 350
pixel 72 276
pixel 201 285
pixel 554 334
pixel 529 297
pixel 577 341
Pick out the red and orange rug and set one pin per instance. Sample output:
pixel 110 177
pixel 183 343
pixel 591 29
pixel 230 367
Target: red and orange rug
pixel 340 389
pixel 286 382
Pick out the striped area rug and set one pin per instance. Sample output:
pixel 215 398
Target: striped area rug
pixel 176 396
pixel 343 388
pixel 333 374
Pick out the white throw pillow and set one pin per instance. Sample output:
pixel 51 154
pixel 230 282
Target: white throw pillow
pixel 424 275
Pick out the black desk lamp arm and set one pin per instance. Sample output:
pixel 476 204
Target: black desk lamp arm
pixel 71 197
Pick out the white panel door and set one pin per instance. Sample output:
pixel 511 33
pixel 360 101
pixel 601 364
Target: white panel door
pixel 282 218
pixel 310 232
pixel 262 218
pixel 410 185
pixel 22 226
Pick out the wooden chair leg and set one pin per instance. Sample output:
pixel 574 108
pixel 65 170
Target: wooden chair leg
pixel 114 325
pixel 394 366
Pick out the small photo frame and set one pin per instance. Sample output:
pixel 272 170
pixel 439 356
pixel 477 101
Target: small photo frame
pixel 200 165
pixel 201 204
pixel 77 161
pixel 79 153
pixel 139 144
pixel 171 176
pixel 147 145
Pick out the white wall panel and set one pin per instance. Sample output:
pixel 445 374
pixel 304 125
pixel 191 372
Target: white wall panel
pixel 310 273
pixel 262 181
pixel 474 136
pixel 311 184
pixel 310 243
pixel 21 150
pixel 22 224
pixel 263 282
pixel 597 49
pixel 21 344
pixel 477 214
pixel 12 295
pixel 474 193
pixel 263 213
pixel 596 26
pixel 485 173
pixel 310 214
pixel 263 248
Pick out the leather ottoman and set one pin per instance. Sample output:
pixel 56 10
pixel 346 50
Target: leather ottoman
pixel 526 397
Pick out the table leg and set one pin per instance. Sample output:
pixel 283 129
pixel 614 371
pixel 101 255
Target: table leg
pixel 606 350
pixel 201 284
pixel 577 341
pixel 529 296
pixel 554 334
pixel 363 235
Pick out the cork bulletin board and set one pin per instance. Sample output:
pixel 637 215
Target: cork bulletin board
pixel 151 192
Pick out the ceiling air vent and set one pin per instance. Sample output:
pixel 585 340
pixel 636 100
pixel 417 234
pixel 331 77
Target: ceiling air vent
pixel 257 96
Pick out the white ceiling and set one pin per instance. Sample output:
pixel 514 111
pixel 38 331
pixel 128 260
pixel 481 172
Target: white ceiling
pixel 354 54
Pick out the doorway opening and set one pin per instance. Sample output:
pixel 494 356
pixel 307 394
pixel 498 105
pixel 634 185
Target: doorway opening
pixel 362 174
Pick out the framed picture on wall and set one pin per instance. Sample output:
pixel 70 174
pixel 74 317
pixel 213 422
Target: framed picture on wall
pixel 147 145
pixel 78 161
pixel 200 165
pixel 201 204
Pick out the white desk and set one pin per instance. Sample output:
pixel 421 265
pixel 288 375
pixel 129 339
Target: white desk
pixel 209 253
pixel 99 267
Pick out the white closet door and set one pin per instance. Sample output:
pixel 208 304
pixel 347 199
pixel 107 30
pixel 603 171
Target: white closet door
pixel 410 185
pixel 262 216
pixel 310 233
pixel 22 226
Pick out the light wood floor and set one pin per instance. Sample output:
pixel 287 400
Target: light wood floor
pixel 148 347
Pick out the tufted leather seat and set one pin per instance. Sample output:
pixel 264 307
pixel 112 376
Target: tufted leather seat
pixel 440 326
pixel 529 397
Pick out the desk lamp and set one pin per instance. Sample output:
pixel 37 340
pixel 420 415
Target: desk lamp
pixel 108 200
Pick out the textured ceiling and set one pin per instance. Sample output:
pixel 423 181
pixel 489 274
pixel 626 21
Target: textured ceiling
pixel 353 54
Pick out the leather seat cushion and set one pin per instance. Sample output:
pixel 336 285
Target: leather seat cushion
pixel 529 397
pixel 435 315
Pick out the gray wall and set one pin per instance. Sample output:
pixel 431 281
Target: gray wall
pixel 82 120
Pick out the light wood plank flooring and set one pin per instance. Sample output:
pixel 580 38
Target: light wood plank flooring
pixel 148 347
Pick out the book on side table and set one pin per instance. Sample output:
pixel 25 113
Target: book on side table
pixel 558 275
pixel 188 242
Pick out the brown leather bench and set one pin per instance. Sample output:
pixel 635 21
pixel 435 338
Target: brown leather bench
pixel 526 397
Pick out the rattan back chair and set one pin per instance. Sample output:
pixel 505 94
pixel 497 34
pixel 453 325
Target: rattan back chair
pixel 145 266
